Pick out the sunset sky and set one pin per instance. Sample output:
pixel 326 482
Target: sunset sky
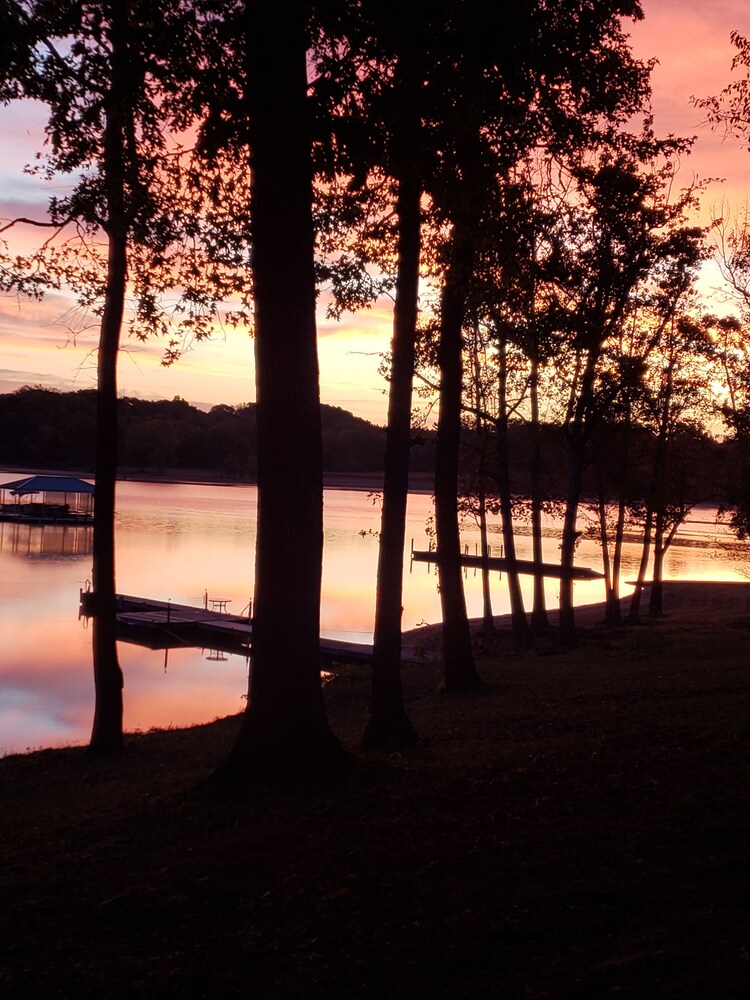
pixel 690 39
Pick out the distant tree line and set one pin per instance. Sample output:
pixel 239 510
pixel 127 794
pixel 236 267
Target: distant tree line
pixel 49 429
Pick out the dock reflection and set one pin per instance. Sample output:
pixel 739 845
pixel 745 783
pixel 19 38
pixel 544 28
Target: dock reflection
pixel 46 541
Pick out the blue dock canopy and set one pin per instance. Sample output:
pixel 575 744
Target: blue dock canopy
pixel 48 484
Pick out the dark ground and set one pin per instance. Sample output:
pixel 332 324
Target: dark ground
pixel 578 829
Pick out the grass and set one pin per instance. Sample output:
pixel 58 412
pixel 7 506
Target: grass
pixel 579 828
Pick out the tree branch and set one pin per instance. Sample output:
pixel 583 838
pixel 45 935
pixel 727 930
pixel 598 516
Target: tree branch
pixel 36 222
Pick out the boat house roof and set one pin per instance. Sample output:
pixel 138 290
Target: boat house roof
pixel 48 484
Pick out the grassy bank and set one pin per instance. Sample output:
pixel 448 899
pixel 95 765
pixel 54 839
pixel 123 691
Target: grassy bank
pixel 580 828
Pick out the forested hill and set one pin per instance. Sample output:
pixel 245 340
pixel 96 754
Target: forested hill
pixel 43 428
pixel 46 429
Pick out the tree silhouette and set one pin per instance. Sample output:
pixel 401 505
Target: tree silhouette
pixel 379 144
pixel 619 231
pixel 574 84
pixel 730 109
pixel 109 89
pixel 284 732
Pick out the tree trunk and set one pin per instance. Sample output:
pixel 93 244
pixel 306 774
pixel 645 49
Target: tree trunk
pixel 568 635
pixel 578 432
pixel 389 725
pixel 604 542
pixel 106 733
pixel 656 597
pixel 655 506
pixel 519 624
pixel 539 619
pixel 284 732
pixel 610 560
pixel 480 429
pixel 634 610
pixel 488 619
pixel 458 659
pixel 614 609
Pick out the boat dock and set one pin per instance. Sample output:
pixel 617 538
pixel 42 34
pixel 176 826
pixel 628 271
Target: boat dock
pixel 166 625
pixel 526 567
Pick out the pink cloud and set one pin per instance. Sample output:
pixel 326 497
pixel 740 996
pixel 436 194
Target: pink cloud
pixel 690 39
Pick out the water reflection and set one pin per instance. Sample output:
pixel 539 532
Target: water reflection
pixel 46 541
pixel 177 541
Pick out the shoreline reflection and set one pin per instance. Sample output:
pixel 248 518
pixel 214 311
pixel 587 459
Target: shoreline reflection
pixel 177 542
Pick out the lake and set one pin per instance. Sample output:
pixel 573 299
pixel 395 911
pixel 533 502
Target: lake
pixel 180 542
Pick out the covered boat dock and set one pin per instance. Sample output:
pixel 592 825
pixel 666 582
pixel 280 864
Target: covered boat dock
pixel 47 500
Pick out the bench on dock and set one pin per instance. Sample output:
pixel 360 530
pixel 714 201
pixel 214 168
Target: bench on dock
pixel 161 624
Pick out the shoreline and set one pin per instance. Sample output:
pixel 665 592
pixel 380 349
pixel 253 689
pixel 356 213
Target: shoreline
pixel 370 482
pixel 692 597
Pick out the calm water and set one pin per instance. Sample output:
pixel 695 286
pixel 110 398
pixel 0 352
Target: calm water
pixel 177 542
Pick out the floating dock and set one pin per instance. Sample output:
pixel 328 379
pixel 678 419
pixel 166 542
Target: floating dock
pixel 523 566
pixel 166 625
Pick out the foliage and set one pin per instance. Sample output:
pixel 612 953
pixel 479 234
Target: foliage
pixel 731 358
pixel 179 270
pixel 730 110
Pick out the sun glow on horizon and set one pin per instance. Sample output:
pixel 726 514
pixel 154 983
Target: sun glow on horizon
pixel 50 343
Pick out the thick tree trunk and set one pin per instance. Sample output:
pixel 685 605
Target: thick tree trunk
pixel 106 733
pixel 458 659
pixel 389 725
pixel 284 733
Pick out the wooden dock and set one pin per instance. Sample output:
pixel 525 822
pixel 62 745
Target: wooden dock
pixel 523 566
pixel 166 625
